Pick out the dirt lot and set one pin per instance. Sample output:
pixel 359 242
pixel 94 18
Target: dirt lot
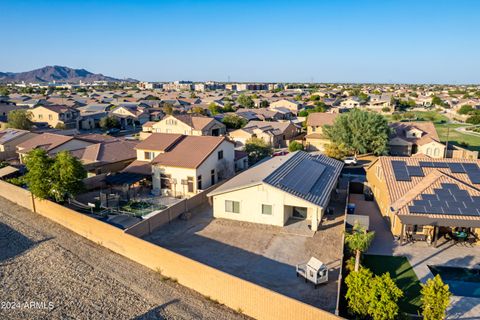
pixel 262 254
pixel 69 277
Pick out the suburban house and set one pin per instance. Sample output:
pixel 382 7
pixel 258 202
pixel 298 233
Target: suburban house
pixel 427 198
pixel 106 156
pixel 295 186
pixel 187 125
pixel 52 143
pixel 56 116
pixel 315 139
pixel 352 102
pixel 9 139
pixel 409 138
pixel 277 134
pixel 181 165
pixel 5 108
pixel 379 102
pixel 292 105
pixel 130 115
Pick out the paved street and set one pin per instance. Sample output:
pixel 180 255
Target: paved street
pixel 69 277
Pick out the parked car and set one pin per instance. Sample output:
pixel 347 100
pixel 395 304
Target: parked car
pixel 280 153
pixel 112 131
pixel 350 160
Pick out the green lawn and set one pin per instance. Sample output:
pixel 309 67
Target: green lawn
pixel 402 273
pixel 457 138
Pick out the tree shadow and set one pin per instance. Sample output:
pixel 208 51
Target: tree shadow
pixel 14 243
pixel 157 312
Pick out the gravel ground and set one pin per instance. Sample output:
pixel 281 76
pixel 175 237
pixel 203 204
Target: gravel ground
pixel 46 271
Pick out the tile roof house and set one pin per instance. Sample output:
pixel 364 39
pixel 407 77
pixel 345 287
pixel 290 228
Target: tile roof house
pixel 315 140
pixel 296 186
pixel 188 125
pixel 52 143
pixel 427 196
pixel 56 116
pixel 409 138
pixel 9 139
pixel 182 165
pixel 274 133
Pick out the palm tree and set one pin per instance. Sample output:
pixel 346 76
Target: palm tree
pixel 358 241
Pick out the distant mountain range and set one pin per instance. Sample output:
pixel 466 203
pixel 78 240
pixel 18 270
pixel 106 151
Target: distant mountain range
pixel 56 73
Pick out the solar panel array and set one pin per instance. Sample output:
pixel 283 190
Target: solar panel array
pixel 404 172
pixel 449 199
pixel 302 177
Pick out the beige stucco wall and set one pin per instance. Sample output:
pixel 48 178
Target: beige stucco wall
pixel 432 149
pixel 251 200
pixel 9 149
pixel 224 166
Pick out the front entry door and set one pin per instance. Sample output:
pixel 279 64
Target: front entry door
pixel 299 213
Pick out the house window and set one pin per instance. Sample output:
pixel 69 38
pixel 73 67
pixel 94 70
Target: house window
pixel 50 117
pixel 165 181
pixel 313 128
pixel 220 155
pixel 232 206
pixel 148 155
pixel 436 152
pixel 199 182
pixel 190 184
pixel 40 116
pixel 267 209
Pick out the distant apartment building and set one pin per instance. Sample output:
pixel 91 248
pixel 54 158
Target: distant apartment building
pixel 251 86
pixel 208 86
pixel 179 86
pixel 149 85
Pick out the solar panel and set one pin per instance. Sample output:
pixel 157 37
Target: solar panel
pixel 450 186
pixel 430 197
pixel 426 164
pixel 303 176
pixel 473 172
pixel 415 171
pixel 456 167
pixel 417 209
pixel 440 165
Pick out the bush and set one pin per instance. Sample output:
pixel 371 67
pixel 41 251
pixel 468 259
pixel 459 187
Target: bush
pixel 295 146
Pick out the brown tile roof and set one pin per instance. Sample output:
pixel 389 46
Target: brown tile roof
pixel 140 167
pixel 159 141
pixel 58 108
pixel 47 141
pixel 402 193
pixel 321 119
pixel 196 122
pixel 190 152
pixel 427 127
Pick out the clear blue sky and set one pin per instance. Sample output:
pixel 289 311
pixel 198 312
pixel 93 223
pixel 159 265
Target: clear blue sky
pixel 414 41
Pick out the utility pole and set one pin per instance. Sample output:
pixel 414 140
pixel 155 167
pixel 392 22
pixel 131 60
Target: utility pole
pixel 446 143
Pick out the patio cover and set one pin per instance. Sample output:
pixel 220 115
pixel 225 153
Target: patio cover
pixel 441 220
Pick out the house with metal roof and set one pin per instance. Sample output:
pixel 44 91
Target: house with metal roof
pixel 296 186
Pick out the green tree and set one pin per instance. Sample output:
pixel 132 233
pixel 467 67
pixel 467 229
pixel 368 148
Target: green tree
pixel 475 119
pixel 232 121
pixel 228 107
pixel 19 119
pixel 383 298
pixel 245 101
pixel 38 177
pixel 198 110
pixel 168 108
pixel 4 91
pixel 465 109
pixel 360 131
pixel 336 151
pixel 358 291
pixel 257 149
pixel 358 241
pixel 264 104
pixel 295 146
pixel 109 122
pixel 214 108
pixel 436 101
pixel 67 174
pixel 435 299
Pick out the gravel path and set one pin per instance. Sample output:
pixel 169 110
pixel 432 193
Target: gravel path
pixel 46 271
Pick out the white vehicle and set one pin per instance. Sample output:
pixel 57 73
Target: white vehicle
pixel 350 160
pixel 314 271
